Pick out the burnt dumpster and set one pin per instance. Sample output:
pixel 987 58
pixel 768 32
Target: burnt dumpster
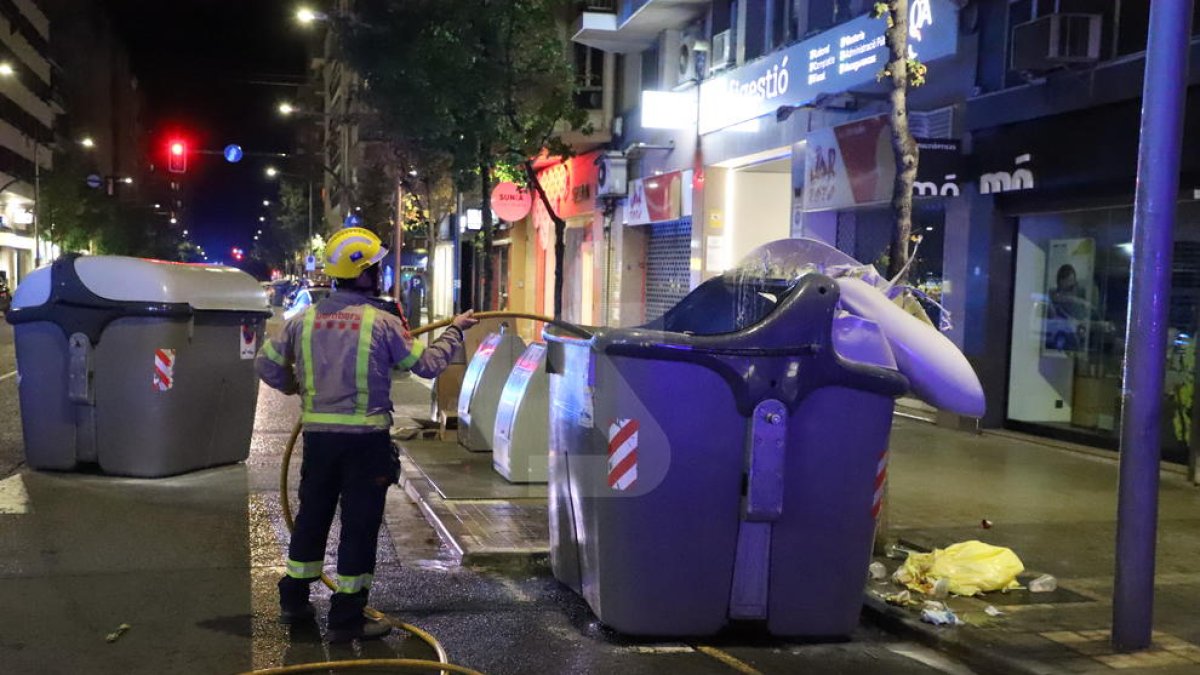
pixel 723 462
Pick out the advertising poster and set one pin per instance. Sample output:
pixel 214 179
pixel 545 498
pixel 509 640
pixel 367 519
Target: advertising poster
pixel 1070 291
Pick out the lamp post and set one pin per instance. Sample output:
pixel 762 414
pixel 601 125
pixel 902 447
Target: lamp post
pixel 273 173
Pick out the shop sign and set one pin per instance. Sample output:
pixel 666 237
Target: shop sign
pixel 853 165
pixel 511 201
pixel 843 58
pixel 570 186
pixel 656 199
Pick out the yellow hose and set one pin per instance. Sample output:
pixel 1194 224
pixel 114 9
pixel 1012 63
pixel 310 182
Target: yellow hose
pixel 443 662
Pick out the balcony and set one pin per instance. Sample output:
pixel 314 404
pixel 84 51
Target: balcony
pixel 624 26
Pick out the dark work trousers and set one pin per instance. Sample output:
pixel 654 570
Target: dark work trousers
pixel 357 469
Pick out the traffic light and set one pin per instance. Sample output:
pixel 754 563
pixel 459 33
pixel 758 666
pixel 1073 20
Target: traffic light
pixel 177 156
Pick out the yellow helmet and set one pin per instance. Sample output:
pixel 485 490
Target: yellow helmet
pixel 351 251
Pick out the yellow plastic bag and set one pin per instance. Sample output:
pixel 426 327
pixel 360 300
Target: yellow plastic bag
pixel 970 567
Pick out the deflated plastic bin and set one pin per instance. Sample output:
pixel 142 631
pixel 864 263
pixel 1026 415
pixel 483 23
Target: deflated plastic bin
pixel 696 479
pixel 482 385
pixel 521 434
pixel 141 366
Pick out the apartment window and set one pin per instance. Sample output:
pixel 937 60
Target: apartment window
pixel 782 22
pixel 589 77
pixel 650 68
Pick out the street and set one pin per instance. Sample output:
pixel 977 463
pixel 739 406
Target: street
pixel 190 562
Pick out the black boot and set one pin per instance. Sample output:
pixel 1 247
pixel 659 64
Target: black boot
pixel 294 605
pixel 347 622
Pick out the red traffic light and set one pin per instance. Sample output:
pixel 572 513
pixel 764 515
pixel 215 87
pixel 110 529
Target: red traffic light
pixel 177 156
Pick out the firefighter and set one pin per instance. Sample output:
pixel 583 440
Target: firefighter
pixel 339 355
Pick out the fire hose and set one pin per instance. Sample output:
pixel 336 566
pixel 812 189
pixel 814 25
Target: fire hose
pixel 443 660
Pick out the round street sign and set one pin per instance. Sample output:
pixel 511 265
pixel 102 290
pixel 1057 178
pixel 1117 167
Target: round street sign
pixel 94 181
pixel 233 153
pixel 511 202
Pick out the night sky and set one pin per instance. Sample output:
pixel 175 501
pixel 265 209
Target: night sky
pixel 214 71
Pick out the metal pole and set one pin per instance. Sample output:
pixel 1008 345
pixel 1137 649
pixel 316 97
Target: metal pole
pixel 1163 100
pixel 399 244
pixel 310 215
pixel 37 206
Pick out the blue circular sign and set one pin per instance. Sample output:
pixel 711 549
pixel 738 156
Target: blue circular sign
pixel 233 153
pixel 352 220
pixel 94 181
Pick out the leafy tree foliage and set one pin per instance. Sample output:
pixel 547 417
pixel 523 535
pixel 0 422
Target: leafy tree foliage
pixel 479 86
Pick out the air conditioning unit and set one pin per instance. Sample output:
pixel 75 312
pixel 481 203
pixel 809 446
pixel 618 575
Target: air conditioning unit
pixel 691 58
pixel 721 55
pixel 612 175
pixel 1056 40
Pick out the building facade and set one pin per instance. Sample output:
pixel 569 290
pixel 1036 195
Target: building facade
pixel 27 117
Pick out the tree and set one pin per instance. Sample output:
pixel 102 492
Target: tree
pixel 484 84
pixel 901 72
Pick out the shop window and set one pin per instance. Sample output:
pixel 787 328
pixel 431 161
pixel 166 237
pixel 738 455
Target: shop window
pixel 1068 330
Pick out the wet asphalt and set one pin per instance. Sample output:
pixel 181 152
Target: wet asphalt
pixel 189 564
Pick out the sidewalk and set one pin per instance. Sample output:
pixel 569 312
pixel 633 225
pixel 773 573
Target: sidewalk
pixel 1055 508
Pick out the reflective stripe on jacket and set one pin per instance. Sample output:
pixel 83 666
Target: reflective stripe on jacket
pixel 339 356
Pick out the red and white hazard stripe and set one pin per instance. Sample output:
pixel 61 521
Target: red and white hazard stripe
pixel 880 481
pixel 622 454
pixel 164 369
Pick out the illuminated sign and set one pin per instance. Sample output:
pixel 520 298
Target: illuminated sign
pixel 669 109
pixel 848 56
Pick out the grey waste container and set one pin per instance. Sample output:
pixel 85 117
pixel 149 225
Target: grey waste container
pixel 521 438
pixel 145 368
pixel 482 384
pixel 698 478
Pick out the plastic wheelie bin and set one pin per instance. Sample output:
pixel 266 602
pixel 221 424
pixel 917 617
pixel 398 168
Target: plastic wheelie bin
pixel 722 463
pixel 143 367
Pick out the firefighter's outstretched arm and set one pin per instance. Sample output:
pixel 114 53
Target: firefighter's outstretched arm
pixel 276 361
pixel 429 362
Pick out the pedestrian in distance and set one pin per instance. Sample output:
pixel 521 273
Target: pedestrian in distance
pixel 339 356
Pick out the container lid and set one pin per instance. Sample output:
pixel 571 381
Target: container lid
pixel 139 280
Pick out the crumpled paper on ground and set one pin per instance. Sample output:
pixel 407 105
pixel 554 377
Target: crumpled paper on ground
pixel 969 567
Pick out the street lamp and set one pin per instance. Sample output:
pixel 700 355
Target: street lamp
pixel 127 180
pixel 262 219
pixel 309 16
pixel 286 108
pixel 271 173
pixel 6 69
pixel 87 142
pixel 174 221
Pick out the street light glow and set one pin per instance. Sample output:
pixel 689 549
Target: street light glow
pixel 266 202
pixel 185 233
pixel 87 142
pixel 6 69
pixel 262 219
pixel 271 173
pixel 286 108
pixel 306 15
pixel 127 180
pixel 174 221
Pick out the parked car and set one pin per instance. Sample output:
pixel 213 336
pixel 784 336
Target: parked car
pixel 303 298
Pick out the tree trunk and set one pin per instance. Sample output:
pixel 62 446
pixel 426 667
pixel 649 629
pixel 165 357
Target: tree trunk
pixel 903 144
pixel 560 237
pixel 485 269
